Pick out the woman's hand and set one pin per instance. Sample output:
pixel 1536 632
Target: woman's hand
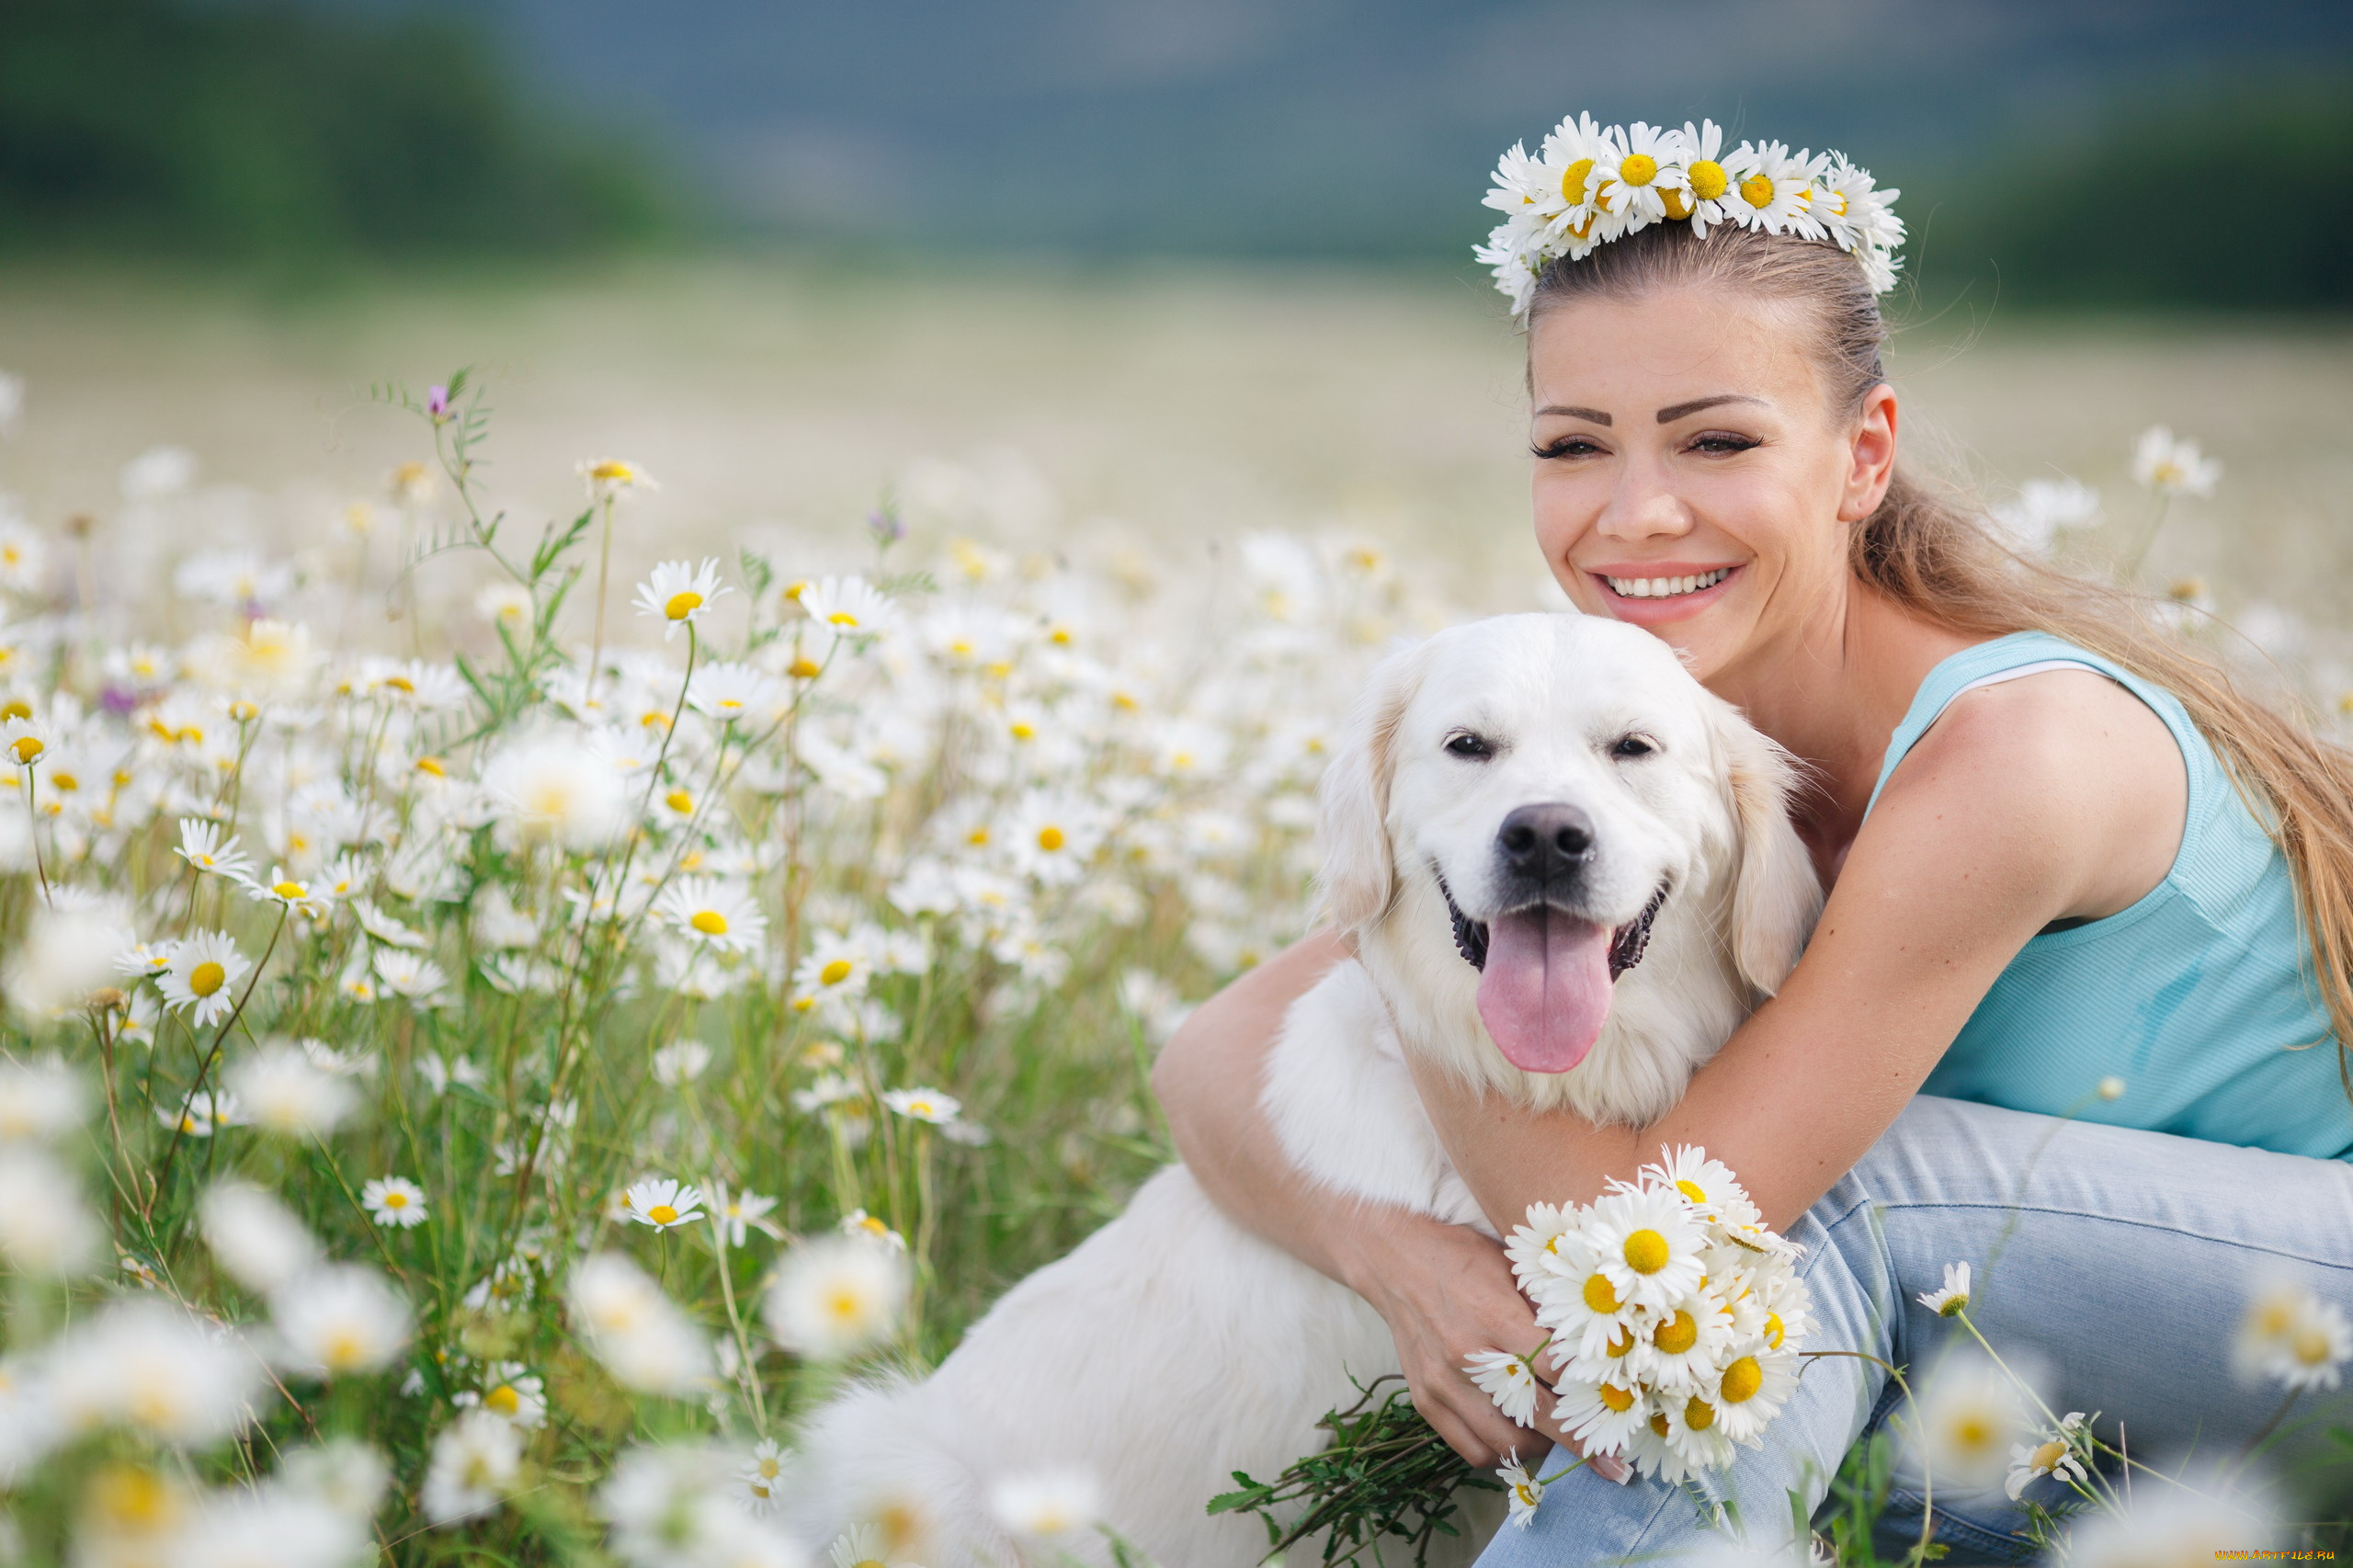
pixel 1446 1294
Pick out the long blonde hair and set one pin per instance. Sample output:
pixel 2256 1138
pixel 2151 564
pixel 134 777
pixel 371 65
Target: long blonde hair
pixel 1933 555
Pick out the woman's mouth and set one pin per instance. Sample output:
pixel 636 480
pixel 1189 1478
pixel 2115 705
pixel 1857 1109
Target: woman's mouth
pixel 1666 587
pixel 1649 598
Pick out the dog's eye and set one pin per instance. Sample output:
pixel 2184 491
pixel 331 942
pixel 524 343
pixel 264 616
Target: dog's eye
pixel 1463 742
pixel 1633 745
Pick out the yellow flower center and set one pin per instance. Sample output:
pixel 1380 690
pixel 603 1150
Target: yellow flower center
pixel 709 922
pixel 2313 1347
pixel 682 604
pixel 1640 168
pixel 845 1304
pixel 2048 1456
pixel 289 889
pixel 1024 730
pixel 835 973
pixel 16 708
pixel 804 669
pixel 1709 180
pixel 343 1351
pixel 24 748
pixel 1971 1432
pixel 612 472
pixel 1050 837
pixel 1521 1490
pixel 843 618
pixel 1774 1332
pixel 1699 1414
pixel 679 802
pixel 396 1200
pixel 1658 1423
pixel 1678 202
pixel 1645 1252
pixel 1757 190
pixel 1677 1335
pixel 1622 1342
pixel 1742 1379
pixel 1573 178
pixel 207 978
pixel 503 1400
pixel 663 1215
pixel 1618 1399
pixel 1598 1295
pixel 432 765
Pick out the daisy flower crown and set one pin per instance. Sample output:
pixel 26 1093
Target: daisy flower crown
pixel 1590 184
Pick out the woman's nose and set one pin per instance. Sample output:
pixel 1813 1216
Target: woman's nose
pixel 1638 509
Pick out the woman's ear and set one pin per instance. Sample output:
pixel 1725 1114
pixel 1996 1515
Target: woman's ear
pixel 1359 873
pixel 1871 463
pixel 1776 896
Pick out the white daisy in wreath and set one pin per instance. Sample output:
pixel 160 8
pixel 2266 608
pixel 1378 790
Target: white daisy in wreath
pixel 1648 1246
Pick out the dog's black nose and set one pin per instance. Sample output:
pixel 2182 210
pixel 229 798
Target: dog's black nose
pixel 1546 843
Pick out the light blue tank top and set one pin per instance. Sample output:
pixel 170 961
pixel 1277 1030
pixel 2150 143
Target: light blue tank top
pixel 2200 997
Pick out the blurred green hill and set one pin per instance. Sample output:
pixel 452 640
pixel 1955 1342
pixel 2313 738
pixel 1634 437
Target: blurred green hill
pixel 2209 195
pixel 280 133
pixel 2054 153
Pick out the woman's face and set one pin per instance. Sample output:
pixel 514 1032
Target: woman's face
pixel 1691 475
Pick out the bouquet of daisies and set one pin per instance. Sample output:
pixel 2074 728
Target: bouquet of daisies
pixel 1674 1318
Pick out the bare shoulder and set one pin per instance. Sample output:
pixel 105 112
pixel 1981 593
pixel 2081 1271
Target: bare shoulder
pixel 2065 772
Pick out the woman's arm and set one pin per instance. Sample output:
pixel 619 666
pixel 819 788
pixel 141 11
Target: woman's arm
pixel 1445 1290
pixel 2020 806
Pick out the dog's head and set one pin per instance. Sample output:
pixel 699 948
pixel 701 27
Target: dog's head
pixel 1549 789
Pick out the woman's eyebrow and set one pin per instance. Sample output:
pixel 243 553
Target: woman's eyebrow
pixel 1575 412
pixel 1673 411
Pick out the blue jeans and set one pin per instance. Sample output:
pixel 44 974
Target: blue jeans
pixel 2117 1262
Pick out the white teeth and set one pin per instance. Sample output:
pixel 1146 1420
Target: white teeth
pixel 1666 587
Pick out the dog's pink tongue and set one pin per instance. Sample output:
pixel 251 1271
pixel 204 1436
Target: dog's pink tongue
pixel 1545 989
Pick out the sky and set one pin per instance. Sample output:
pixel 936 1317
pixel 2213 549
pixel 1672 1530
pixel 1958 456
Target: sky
pixel 1317 125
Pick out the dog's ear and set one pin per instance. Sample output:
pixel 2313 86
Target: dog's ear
pixel 1359 866
pixel 1776 896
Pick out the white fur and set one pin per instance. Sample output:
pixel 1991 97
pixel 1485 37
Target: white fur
pixel 1173 1347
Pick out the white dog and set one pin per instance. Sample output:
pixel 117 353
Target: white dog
pixel 1570 873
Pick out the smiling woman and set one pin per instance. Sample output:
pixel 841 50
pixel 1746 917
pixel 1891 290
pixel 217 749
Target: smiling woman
pixel 2076 875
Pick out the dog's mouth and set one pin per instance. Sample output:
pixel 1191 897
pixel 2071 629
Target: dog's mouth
pixel 1545 976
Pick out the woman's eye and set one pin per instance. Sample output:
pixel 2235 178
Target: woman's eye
pixel 1567 446
pixel 1725 444
pixel 1633 746
pixel 1470 746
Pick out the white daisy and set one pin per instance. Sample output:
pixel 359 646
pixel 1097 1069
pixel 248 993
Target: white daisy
pixel 1707 186
pixel 608 478
pixel 713 912
pixel 1754 1386
pixel 1050 835
pixel 201 847
pixel 1648 1246
pixel 475 1462
pixel 2060 1455
pixel 1521 1489
pixel 1693 1430
pixel 1602 1416
pixel 393 1201
pixel 637 1333
pixel 729 691
pixel 761 1475
pixel 859 1225
pixel 410 974
pixel 835 1296
pixel 662 1203
pixel 1953 1300
pixel 1646 165
pixel 1686 1342
pixel 849 606
pixel 296 895
pixel 510 1391
pixel 24 740
pixel 284 1092
pixel 338 1321
pixel 2292 1336
pixel 1530 1245
pixel 1965 1422
pixel 201 1114
pixel 1577 1302
pixel 2169 467
pixel 1047 1505
pixel 1772 190
pixel 1509 1381
pixel 203 975
pixel 1710 1185
pixel 738 1213
pixel 676 593
pixel 924 1104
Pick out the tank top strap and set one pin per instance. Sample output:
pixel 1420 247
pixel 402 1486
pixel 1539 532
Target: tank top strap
pixel 2027 653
